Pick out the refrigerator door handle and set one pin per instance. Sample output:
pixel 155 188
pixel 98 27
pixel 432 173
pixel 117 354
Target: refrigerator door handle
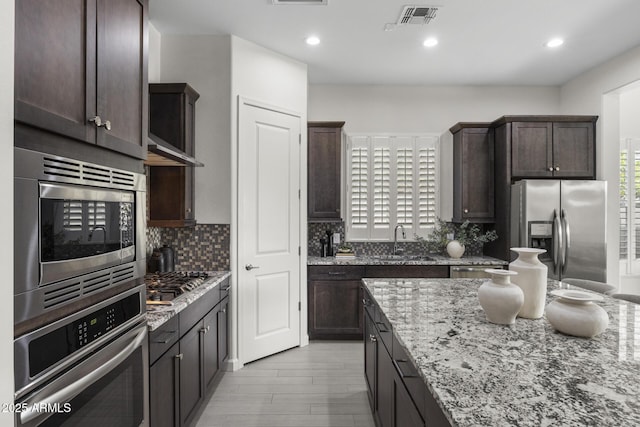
pixel 567 240
pixel 557 241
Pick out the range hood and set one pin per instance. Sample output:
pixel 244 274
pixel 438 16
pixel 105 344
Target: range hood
pixel 161 153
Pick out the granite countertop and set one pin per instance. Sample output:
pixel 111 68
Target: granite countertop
pixel 387 260
pixel 159 314
pixel 525 374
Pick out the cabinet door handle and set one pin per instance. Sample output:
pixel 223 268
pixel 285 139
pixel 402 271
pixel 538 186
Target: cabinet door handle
pixel 97 120
pixel 179 356
pixel 382 327
pixel 466 211
pixel 373 338
pixel 396 363
pixel 557 168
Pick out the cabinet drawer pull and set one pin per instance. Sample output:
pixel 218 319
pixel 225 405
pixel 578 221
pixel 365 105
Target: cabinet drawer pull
pixel 165 338
pixel 550 169
pixel 466 211
pixel 557 168
pixel 373 338
pixel 337 273
pixel 382 327
pixel 179 356
pixel 396 363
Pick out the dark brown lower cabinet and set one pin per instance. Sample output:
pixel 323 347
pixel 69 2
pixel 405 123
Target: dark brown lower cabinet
pixel 184 367
pixel 398 395
pixel 164 380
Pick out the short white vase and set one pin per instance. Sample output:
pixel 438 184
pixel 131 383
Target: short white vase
pixel 455 249
pixel 500 299
pixel 532 279
pixel 575 313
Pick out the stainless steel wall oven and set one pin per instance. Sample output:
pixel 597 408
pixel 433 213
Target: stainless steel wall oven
pixel 79 230
pixel 87 369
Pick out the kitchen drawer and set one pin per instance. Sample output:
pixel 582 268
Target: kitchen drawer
pixel 384 329
pixel 370 305
pixel 407 271
pixel 410 376
pixel 224 289
pixel 335 272
pixel 199 308
pixel 163 338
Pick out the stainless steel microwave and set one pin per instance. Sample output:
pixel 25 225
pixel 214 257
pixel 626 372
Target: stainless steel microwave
pixel 79 229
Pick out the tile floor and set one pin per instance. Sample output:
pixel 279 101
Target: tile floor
pixel 318 385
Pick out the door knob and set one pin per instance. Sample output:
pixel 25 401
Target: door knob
pixel 249 267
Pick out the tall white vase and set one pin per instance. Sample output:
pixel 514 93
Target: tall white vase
pixel 532 279
pixel 500 299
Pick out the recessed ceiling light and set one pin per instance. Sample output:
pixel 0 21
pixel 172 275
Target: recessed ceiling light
pixel 430 42
pixel 313 40
pixel 554 43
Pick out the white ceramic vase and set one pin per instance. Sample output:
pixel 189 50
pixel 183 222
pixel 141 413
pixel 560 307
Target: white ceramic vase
pixel 575 313
pixel 500 299
pixel 455 249
pixel 532 279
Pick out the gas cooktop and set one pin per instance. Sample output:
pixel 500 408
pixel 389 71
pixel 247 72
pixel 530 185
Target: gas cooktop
pixel 162 288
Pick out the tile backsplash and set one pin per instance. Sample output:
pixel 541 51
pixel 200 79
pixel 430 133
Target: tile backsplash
pixel 204 247
pixel 317 231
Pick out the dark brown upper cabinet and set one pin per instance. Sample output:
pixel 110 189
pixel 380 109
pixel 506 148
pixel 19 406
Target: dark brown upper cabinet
pixel 473 166
pixel 81 72
pixel 323 169
pixel 171 188
pixel 551 146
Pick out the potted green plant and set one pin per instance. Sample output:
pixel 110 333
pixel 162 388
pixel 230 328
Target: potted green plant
pixel 453 238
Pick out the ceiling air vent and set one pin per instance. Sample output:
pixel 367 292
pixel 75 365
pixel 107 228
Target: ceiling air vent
pixel 316 2
pixel 417 15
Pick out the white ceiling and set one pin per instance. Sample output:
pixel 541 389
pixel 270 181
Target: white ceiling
pixel 481 42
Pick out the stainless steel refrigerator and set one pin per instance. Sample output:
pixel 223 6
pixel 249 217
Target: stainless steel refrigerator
pixel 567 218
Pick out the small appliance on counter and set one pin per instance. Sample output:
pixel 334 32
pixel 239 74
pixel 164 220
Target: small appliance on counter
pixel 162 260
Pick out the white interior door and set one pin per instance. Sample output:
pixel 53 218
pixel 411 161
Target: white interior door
pixel 268 231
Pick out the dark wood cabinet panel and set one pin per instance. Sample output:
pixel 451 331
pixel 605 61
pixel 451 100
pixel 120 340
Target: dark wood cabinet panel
pixel 210 346
pixel 171 188
pixel 164 382
pixel 323 169
pixel 407 271
pixel 405 413
pixel 335 309
pixel 473 166
pixel 223 334
pixel 370 360
pixel 76 60
pixel 574 150
pixel 191 375
pixel 385 374
pixel 531 149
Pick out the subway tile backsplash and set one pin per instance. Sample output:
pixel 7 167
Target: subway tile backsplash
pixel 204 247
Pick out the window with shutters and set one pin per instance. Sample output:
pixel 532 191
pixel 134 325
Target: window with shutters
pixel 391 180
pixel 630 206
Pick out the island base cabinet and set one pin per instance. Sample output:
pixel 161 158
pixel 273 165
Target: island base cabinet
pixel 370 360
pixel 405 413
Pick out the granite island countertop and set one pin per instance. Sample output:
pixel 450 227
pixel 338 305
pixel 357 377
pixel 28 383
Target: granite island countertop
pixel 159 314
pixel 388 260
pixel 525 374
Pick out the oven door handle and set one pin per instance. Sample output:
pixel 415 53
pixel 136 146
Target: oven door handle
pixel 51 395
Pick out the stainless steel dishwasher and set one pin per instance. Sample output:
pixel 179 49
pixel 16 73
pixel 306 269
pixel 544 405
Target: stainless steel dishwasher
pixel 470 271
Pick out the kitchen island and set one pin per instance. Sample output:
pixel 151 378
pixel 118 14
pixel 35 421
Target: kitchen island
pixel 478 373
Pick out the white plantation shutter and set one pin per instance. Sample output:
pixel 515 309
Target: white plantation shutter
pixel 630 206
pixel 391 180
pixel 358 176
pixel 72 214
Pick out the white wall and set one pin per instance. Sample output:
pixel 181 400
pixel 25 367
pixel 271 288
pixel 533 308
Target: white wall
pixel 155 54
pixel 204 62
pixel 597 92
pixel 427 109
pixel 630 113
pixel 6 193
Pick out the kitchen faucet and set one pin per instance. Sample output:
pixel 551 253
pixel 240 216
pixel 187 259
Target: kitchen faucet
pixel 395 238
pixel 104 232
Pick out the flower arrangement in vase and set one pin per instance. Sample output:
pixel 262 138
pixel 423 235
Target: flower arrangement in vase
pixel 448 237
